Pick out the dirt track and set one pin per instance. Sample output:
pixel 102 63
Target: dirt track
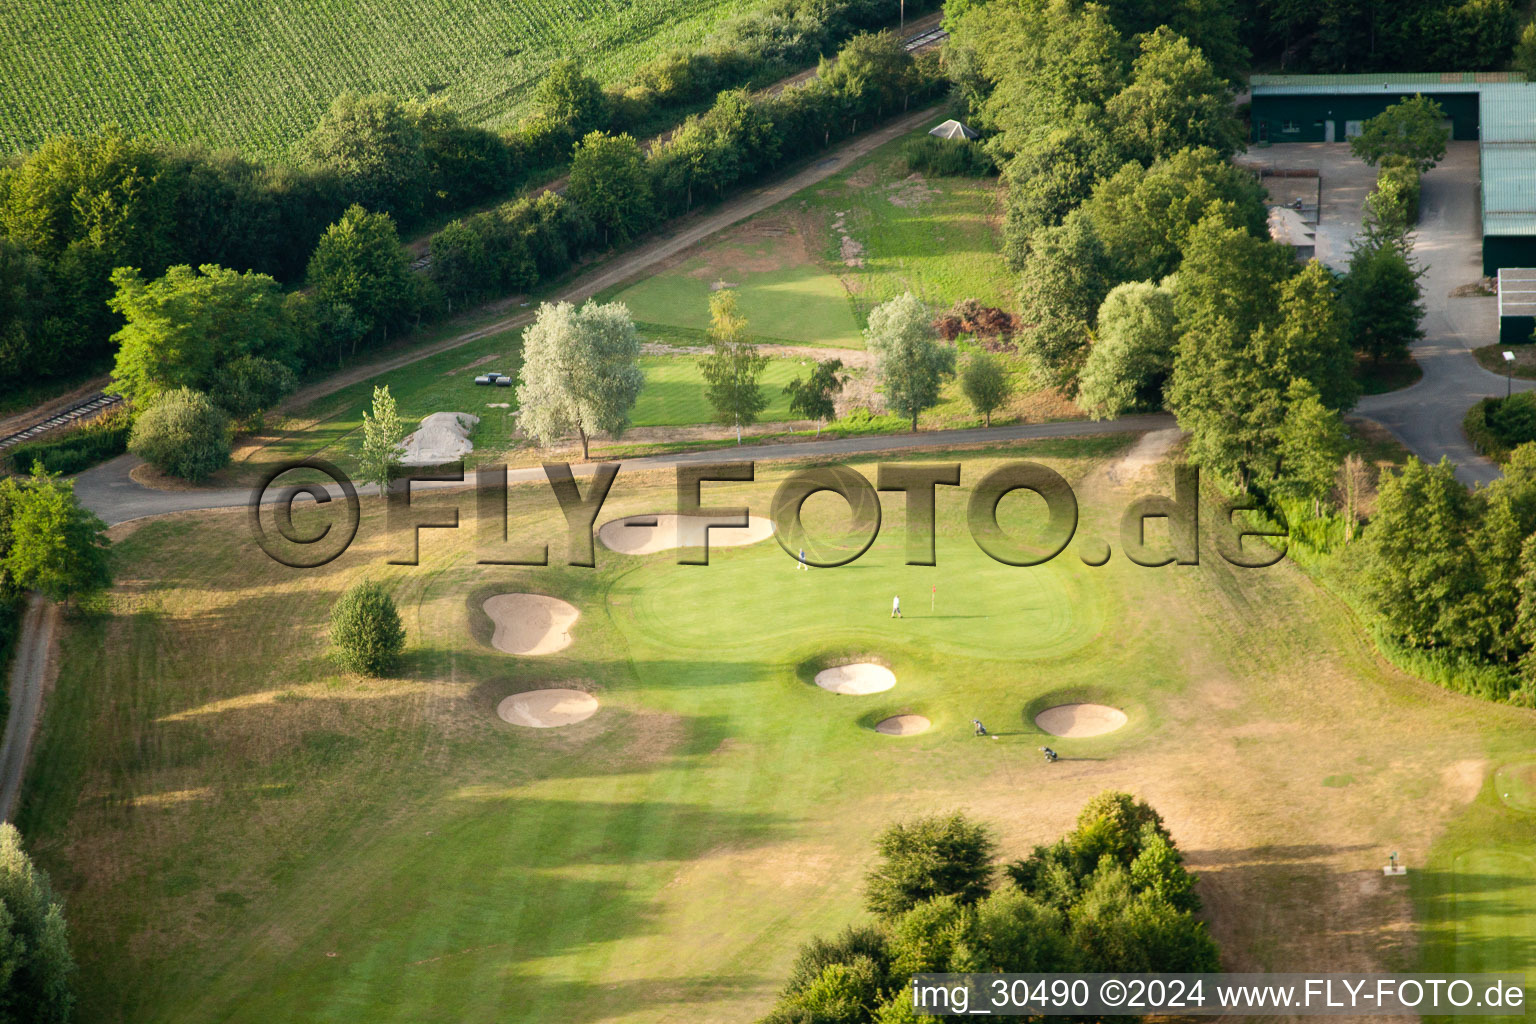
pixel 29 676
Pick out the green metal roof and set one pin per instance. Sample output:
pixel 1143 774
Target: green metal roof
pixel 1430 82
pixel 1509 188
pixel 1507 126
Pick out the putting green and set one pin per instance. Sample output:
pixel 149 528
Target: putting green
pixel 1516 784
pixel 1047 611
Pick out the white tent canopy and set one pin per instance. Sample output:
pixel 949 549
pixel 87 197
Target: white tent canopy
pixel 953 129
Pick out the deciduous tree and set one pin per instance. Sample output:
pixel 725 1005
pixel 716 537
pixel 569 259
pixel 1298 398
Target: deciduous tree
pixel 382 435
pixel 985 384
pixel 36 967
pixel 911 362
pixel 1413 130
pixel 580 373
pixel 733 370
pixel 609 179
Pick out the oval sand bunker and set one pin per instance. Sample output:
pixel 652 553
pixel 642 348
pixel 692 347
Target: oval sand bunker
pixel 856 680
pixel 674 531
pixel 530 623
pixel 1076 720
pixel 547 709
pixel 902 725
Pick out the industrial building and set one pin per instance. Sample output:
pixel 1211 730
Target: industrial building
pixel 1495 108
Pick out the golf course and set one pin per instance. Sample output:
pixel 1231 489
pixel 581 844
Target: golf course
pixel 245 833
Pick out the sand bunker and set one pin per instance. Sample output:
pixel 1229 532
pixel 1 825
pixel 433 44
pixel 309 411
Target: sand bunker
pixel 443 437
pixel 856 680
pixel 902 725
pixel 674 531
pixel 1080 719
pixel 530 623
pixel 547 709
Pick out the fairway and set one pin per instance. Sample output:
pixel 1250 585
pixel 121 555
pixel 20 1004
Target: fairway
pixel 784 297
pixel 257 76
pixel 247 835
pixel 809 270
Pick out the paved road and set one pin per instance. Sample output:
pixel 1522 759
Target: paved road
pixel 28 675
pixel 1448 245
pixel 109 491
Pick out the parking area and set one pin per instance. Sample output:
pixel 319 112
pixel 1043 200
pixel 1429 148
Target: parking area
pixel 1332 201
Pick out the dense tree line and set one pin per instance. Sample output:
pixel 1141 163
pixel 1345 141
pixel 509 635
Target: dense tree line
pixel 116 227
pixel 77 209
pixel 1111 895
pixel 1451 573
pixel 618 191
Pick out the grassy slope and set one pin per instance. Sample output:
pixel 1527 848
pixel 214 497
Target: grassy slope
pixel 258 75
pixel 245 836
pixel 938 238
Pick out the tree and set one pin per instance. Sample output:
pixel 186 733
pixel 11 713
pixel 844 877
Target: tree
pixel 1310 341
pixel 461 264
pixel 911 363
pixel 941 855
pixel 1065 279
pixel 1524 59
pixel 366 631
pixel 985 384
pixel 250 386
pixel 1227 391
pixel 184 434
pixel 36 967
pixel 184 329
pixel 1174 101
pixel 382 434
pixel 1132 353
pixel 1311 442
pixel 580 372
pixel 56 545
pixel 373 144
pixel 609 179
pixel 731 372
pixel 1413 130
pixel 812 397
pixel 874 71
pixel 1420 569
pixel 1382 299
pixel 1144 215
pixel 570 98
pixel 360 263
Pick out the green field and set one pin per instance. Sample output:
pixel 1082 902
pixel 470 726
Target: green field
pixel 257 76
pixel 783 301
pixel 244 835
pixel 796 281
pixel 674 391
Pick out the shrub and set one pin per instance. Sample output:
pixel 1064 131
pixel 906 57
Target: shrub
pixel 1496 426
pixel 183 434
pixel 951 158
pixel 366 631
pixel 75 448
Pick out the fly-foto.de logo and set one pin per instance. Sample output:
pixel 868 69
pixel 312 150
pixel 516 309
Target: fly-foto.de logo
pixel 919 484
